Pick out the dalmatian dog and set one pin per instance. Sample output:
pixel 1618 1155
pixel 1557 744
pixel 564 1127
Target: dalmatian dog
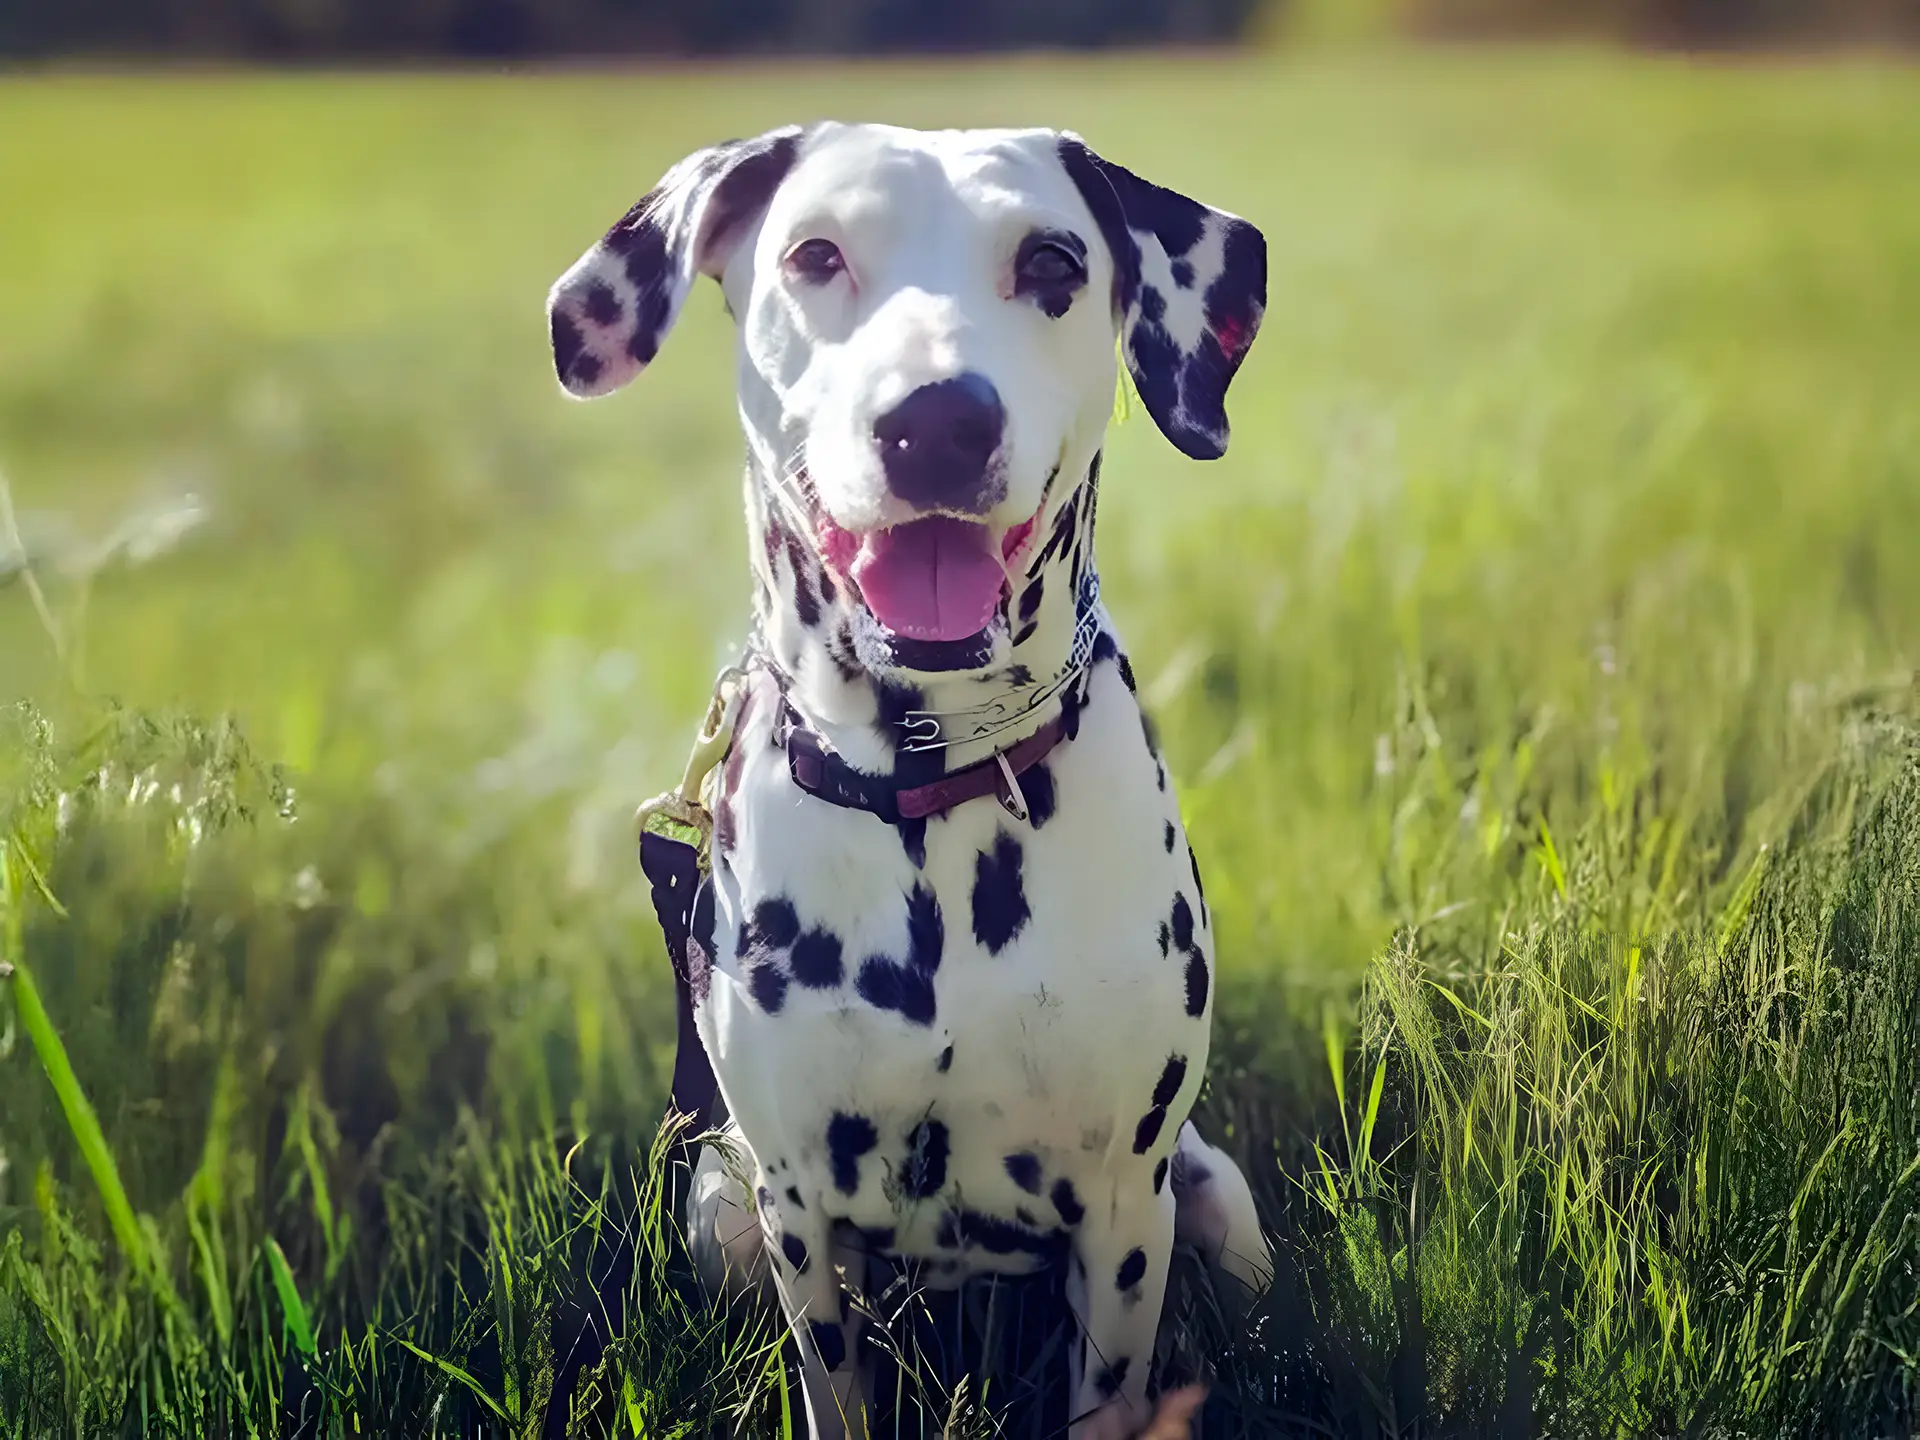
pixel 953 966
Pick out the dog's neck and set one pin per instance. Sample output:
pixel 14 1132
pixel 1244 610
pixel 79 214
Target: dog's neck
pixel 808 628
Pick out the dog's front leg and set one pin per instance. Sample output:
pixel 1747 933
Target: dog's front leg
pixel 805 1274
pixel 1122 1250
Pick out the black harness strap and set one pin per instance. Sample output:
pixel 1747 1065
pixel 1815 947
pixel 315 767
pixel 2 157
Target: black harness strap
pixel 673 869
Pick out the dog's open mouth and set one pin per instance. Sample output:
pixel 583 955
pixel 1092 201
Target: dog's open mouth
pixel 937 581
pixel 933 579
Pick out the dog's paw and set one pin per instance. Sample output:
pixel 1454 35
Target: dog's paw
pixel 1172 1418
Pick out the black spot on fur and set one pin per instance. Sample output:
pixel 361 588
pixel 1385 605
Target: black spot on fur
pixel 879 983
pixel 1182 922
pixel 806 604
pixel 1071 704
pixel 945 1062
pixel 1104 648
pixel 570 359
pixel 888 985
pixel 650 304
pixel 1132 1270
pixel 828 592
pixel 1019 675
pixel 775 923
pixel 1148 729
pixel 999 901
pixel 1172 1076
pixel 841 651
pixel 913 838
pixel 769 986
pixel 1160 1175
pixel 795 1252
pixel 973 1230
pixel 816 960
pixel 1037 785
pixel 793 1194
pixel 848 1138
pixel 1197 982
pixel 1167 838
pixel 1166 937
pixel 830 1341
pixel 1066 1203
pixel 1126 675
pixel 926 930
pixel 1148 1130
pixel 1024 1170
pixel 773 540
pixel 603 306
pixel 893 702
pixel 1153 305
pixel 924 1171
pixel 1062 533
pixel 1160 778
pixel 765 1197
pixel 1109 1380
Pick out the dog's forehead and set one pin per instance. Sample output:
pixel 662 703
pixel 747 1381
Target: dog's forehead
pixel 890 168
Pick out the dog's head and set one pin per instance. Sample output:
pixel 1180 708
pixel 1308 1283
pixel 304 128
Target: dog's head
pixel 927 349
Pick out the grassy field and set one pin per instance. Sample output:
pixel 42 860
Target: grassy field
pixel 1537 672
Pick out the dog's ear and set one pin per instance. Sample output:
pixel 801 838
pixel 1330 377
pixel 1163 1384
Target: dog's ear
pixel 1189 288
pixel 609 313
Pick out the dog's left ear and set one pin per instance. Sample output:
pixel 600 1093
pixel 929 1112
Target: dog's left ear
pixel 1189 288
pixel 609 313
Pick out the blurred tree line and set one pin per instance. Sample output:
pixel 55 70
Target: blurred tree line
pixel 410 29
pixel 406 28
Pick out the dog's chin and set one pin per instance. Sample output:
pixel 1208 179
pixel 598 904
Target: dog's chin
pixel 881 652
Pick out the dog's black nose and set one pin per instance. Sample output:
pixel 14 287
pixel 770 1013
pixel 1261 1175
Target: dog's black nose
pixel 937 444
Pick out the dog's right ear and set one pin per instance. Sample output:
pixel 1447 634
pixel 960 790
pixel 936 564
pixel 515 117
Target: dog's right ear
pixel 609 313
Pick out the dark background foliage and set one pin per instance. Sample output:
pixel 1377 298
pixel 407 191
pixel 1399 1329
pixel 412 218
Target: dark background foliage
pixel 290 30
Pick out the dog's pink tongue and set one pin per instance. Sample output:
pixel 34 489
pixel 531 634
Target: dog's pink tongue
pixel 934 579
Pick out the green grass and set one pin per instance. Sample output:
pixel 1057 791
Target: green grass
pixel 1537 672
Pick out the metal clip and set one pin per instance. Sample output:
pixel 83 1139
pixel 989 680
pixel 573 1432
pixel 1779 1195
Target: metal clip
pixel 685 807
pixel 1015 799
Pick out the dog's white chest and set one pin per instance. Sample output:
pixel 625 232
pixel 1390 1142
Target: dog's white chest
pixel 977 1042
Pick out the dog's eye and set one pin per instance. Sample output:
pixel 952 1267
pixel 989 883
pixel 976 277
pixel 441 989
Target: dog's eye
pixel 1050 267
pixel 815 261
pixel 1049 264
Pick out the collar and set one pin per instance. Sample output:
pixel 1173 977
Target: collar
pixel 820 772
